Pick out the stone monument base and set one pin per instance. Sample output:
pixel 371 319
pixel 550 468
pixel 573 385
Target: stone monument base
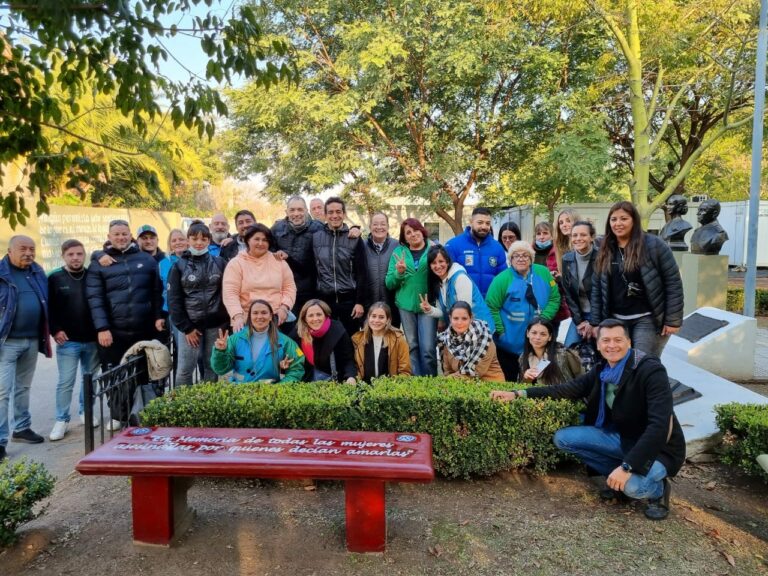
pixel 705 280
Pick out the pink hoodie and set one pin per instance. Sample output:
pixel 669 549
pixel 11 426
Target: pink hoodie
pixel 247 278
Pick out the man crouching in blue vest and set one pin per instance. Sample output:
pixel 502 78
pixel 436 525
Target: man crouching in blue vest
pixel 630 433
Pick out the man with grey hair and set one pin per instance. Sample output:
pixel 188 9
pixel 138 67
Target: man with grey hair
pixel 23 333
pixel 317 210
pixel 293 239
pixel 219 234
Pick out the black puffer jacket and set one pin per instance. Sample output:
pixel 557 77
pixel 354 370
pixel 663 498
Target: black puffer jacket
pixel 194 293
pixel 661 281
pixel 341 264
pixel 570 283
pixel 301 259
pixel 378 264
pixel 642 411
pixel 125 297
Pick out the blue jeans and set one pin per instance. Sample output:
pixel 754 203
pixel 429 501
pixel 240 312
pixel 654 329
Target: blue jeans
pixel 68 356
pixel 18 358
pixel 188 357
pixel 645 336
pixel 421 334
pixel 601 450
pixel 572 337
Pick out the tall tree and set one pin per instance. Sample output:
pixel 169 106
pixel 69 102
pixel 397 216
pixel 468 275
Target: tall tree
pixel 690 87
pixel 429 99
pixel 115 48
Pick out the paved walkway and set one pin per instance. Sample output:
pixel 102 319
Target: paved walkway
pixel 761 354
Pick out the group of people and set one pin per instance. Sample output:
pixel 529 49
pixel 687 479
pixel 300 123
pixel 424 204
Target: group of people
pixel 311 299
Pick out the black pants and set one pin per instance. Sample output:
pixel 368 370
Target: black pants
pixel 510 364
pixel 341 310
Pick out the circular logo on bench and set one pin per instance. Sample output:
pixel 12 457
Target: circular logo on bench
pixel 140 431
pixel 406 438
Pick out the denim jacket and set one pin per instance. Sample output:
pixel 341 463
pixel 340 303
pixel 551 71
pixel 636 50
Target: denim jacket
pixel 9 298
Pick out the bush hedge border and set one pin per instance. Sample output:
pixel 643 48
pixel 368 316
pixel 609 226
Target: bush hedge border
pixel 745 435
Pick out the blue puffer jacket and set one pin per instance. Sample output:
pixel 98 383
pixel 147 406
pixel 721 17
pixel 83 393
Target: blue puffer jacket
pixel 125 297
pixel 480 309
pixel 481 261
pixel 9 299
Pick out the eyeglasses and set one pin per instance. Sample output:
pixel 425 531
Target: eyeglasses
pixel 520 256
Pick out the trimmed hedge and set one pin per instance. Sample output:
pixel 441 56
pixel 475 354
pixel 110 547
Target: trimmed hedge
pixel 22 484
pixel 735 302
pixel 745 428
pixel 471 434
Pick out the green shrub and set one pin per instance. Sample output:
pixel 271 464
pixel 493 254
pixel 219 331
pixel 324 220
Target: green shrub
pixel 735 302
pixel 471 434
pixel 22 484
pixel 745 428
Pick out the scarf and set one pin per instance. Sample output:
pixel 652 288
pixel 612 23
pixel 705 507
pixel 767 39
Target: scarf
pixel 306 345
pixel 609 375
pixel 467 348
pixel 300 227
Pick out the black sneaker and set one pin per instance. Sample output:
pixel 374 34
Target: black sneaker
pixel 658 508
pixel 27 436
pixel 3 455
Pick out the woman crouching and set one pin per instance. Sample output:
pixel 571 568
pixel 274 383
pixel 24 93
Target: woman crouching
pixel 380 348
pixel 258 352
pixel 466 347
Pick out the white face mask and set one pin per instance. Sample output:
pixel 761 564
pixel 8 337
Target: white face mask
pixel 198 252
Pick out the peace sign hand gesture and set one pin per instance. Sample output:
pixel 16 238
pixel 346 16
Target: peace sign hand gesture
pixel 399 263
pixel 221 341
pixel 426 307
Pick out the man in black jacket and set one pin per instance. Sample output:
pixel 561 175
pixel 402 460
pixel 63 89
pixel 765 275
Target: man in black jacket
pixel 244 219
pixel 72 329
pixel 630 433
pixel 125 297
pixel 341 267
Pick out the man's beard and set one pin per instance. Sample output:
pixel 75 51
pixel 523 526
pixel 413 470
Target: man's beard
pixel 219 236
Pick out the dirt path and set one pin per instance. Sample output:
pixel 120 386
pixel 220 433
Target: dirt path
pixel 508 524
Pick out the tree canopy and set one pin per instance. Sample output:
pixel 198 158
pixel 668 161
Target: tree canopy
pixel 113 50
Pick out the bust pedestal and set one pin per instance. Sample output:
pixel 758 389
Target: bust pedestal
pixel 705 280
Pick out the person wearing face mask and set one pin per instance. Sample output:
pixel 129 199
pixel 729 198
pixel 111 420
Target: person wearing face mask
pixel 578 268
pixel 466 347
pixel 481 255
pixel 195 304
pixel 546 255
pixel 258 352
pixel 380 349
pixel 378 251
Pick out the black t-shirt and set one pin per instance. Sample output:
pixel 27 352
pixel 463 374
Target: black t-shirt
pixel 628 296
pixel 417 256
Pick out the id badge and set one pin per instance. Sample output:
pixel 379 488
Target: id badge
pixel 469 259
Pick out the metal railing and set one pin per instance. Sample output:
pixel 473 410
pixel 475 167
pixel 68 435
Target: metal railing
pixel 117 388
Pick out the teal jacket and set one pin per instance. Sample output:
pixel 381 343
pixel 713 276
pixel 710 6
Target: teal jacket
pixel 237 357
pixel 408 285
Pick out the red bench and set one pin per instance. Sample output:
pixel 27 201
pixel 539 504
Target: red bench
pixel 161 462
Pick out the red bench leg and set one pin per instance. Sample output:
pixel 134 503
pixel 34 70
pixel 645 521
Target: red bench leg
pixel 159 506
pixel 366 516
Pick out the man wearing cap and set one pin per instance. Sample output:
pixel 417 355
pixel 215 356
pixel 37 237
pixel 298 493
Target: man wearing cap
pixel 23 333
pixel 146 236
pixel 125 298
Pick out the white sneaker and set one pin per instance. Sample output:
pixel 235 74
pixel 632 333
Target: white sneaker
pixel 114 425
pixel 59 430
pixel 96 421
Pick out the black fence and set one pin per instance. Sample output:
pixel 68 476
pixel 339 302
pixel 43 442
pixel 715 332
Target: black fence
pixel 123 390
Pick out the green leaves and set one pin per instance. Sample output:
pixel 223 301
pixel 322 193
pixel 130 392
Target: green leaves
pixel 114 49
pixel 22 485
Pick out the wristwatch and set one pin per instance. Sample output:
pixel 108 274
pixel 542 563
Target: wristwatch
pixel 626 467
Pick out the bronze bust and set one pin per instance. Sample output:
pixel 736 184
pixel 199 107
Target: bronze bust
pixel 710 236
pixel 675 230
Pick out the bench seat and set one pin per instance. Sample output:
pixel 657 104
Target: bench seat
pixel 162 462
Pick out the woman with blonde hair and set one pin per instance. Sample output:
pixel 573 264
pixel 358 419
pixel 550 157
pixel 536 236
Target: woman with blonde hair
pixel 326 345
pixel 564 225
pixel 380 349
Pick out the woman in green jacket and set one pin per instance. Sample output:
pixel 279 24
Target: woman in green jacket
pixel 258 352
pixel 407 277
